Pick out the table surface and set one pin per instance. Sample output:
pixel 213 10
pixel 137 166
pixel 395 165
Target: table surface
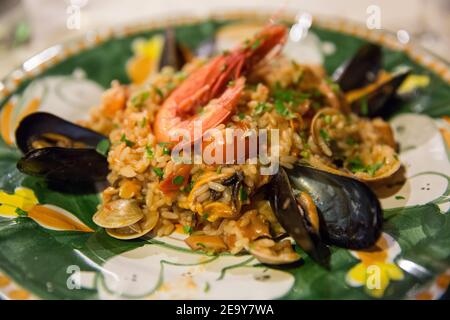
pixel 427 21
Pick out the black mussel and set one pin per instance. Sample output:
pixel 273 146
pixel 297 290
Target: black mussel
pixel 373 102
pixel 295 218
pixel 62 164
pixel 350 214
pixel 59 150
pixel 173 54
pixel 43 129
pixel 360 70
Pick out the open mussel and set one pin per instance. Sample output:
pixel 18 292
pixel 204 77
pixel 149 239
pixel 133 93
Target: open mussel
pixel 361 70
pixel 317 207
pixel 59 150
pixel 367 87
pixel 297 220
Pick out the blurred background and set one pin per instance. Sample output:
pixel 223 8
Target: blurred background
pixel 28 26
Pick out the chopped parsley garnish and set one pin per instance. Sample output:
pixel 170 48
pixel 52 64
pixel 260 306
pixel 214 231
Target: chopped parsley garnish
pixel 178 180
pixel 243 196
pixel 149 152
pixel 139 99
pixel 159 92
pixel 324 134
pixel 261 107
pixel 207 287
pixel 364 107
pixel 187 229
pixel 21 213
pixel 143 122
pixel 124 139
pixel 399 197
pixel 201 244
pixel 166 151
pixel 305 154
pixel 256 44
pixel 288 95
pixel 350 141
pixel 282 110
pixel 356 165
pixel 205 216
pixel 103 147
pixel 159 172
pixel 241 115
pixel 372 169
pixel 327 119
pixel 187 188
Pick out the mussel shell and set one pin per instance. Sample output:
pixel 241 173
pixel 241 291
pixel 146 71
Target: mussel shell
pixel 376 100
pixel 39 123
pixel 63 164
pixel 350 213
pixel 172 54
pixel 360 70
pixel 291 218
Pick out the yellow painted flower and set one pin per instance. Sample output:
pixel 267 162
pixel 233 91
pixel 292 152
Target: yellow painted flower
pixel 147 53
pixel 376 267
pixel 25 203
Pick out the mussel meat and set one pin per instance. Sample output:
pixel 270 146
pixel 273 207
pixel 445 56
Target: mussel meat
pixel 367 87
pixel 59 150
pixel 295 219
pixel 349 213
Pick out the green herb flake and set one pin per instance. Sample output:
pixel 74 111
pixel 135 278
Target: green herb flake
pixel 324 134
pixel 159 92
pixel 166 151
pixel 372 169
pixel 305 154
pixel 243 196
pixel 139 99
pixel 261 107
pixel 205 216
pixel 124 139
pixel 327 119
pixel 281 109
pixel 350 141
pixel 399 198
pixel 21 213
pixel 178 180
pixel 201 244
pixel 364 107
pixel 103 147
pixel 187 229
pixel 256 44
pixel 149 152
pixel 207 287
pixel 159 172
pixel 143 122
pixel 356 165
pixel 241 116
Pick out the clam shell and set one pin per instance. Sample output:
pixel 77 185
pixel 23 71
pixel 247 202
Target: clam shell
pixel 118 214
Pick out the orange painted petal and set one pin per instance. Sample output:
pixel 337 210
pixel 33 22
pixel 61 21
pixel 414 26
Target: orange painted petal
pixel 5 122
pixel 57 219
pixel 446 136
pixel 32 106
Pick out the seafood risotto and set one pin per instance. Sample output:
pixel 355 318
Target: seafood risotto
pixel 331 146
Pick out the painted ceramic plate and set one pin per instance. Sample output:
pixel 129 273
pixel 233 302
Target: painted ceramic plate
pixel 57 252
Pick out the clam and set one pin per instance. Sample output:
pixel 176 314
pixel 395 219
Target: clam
pixel 349 151
pixel 59 150
pixel 118 214
pixel 268 251
pixel 136 230
pixel 349 213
